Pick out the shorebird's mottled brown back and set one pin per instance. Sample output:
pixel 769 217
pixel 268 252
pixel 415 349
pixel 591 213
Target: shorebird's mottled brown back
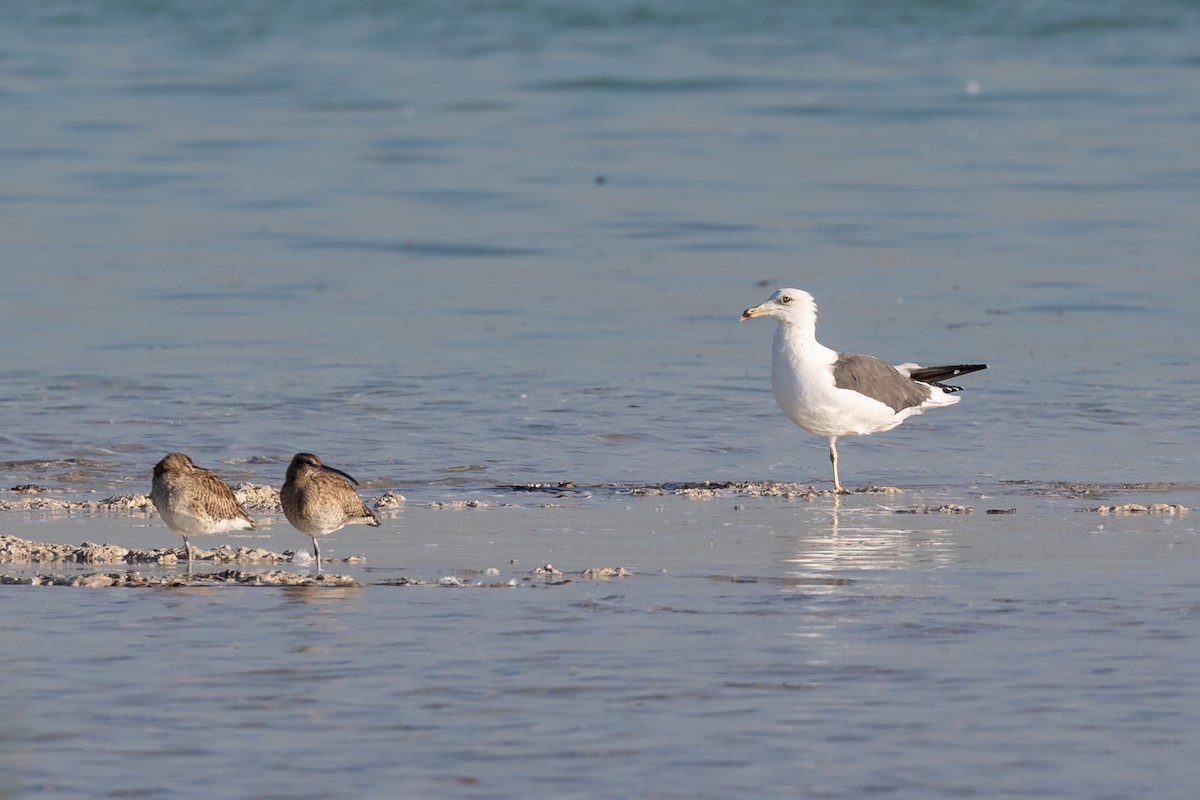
pixel 318 499
pixel 193 500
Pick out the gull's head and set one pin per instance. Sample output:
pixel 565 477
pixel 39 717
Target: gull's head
pixel 786 306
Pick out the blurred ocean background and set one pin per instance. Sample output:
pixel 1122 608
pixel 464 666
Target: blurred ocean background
pixel 454 246
pixel 516 236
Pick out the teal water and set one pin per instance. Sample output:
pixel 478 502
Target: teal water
pixel 520 236
pixel 450 248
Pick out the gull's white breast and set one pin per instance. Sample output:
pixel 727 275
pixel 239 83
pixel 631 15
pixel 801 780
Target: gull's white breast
pixel 803 384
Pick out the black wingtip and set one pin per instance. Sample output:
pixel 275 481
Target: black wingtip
pixel 934 375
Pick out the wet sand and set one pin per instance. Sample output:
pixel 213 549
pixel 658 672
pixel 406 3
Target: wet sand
pixel 673 618
pixel 514 535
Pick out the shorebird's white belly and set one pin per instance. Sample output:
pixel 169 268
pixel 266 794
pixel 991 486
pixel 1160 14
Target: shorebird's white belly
pixel 184 521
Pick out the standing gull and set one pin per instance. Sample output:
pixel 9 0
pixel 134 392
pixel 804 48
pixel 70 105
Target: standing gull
pixel 193 501
pixel 843 394
pixel 318 499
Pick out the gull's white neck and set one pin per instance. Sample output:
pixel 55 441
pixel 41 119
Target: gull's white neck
pixel 798 331
pixel 797 342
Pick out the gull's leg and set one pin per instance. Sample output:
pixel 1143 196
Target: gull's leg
pixel 837 484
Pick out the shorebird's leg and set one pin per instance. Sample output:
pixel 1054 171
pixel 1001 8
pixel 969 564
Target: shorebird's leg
pixel 837 484
pixel 188 547
pixel 317 553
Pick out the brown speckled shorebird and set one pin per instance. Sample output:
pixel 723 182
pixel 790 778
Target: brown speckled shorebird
pixel 193 501
pixel 318 500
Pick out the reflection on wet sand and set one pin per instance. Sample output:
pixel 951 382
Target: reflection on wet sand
pixel 848 541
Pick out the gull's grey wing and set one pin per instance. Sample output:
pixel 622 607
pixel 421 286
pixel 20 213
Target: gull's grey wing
pixel 878 380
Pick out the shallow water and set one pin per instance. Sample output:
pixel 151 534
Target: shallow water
pixel 451 250
pixel 761 647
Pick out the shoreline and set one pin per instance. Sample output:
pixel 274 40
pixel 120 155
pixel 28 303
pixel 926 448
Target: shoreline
pixel 264 498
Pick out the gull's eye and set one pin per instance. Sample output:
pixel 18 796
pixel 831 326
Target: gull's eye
pixel 785 299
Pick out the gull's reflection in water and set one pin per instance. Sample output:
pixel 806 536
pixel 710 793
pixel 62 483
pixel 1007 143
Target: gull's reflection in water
pixel 858 539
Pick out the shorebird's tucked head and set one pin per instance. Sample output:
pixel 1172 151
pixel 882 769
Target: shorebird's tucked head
pixel 786 306
pixel 303 463
pixel 306 465
pixel 173 462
